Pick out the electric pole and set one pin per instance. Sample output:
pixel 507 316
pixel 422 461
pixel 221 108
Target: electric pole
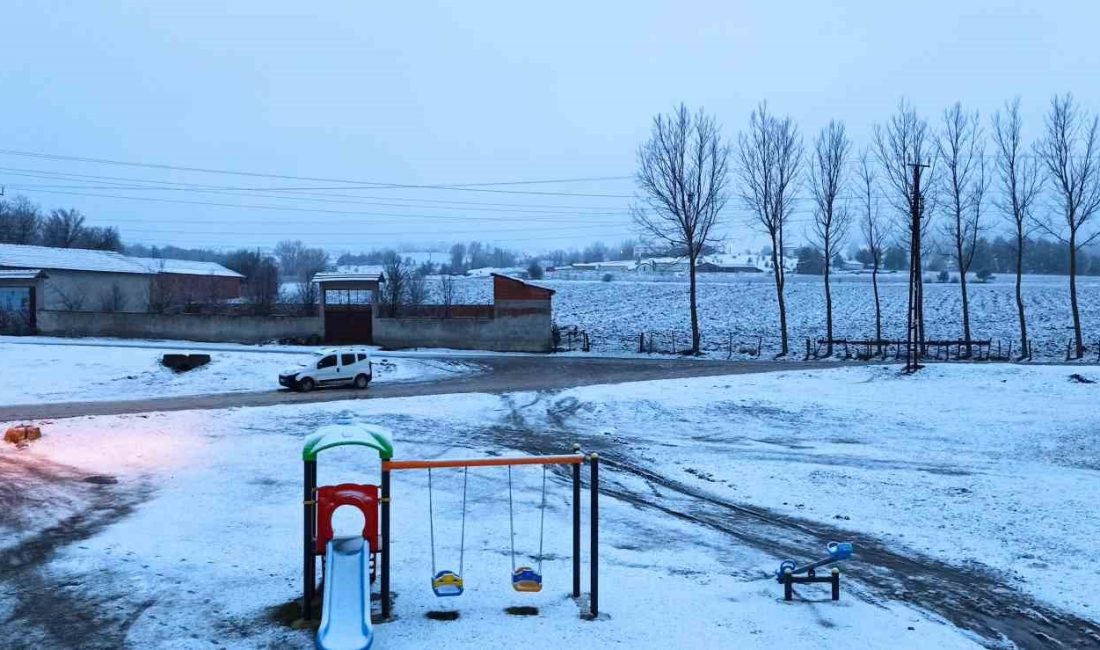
pixel 914 343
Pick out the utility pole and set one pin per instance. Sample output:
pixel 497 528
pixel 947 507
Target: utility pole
pixel 914 343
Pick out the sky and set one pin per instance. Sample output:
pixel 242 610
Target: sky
pixel 323 108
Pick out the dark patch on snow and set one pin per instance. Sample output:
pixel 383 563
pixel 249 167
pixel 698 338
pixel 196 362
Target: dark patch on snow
pixel 522 610
pixel 100 479
pixel 1081 379
pixel 443 615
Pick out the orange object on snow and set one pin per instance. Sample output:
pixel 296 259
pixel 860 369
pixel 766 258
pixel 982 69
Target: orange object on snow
pixel 22 433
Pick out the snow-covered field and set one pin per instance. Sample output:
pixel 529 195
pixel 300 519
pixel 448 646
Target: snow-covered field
pixel 46 372
pixel 614 313
pixel 989 471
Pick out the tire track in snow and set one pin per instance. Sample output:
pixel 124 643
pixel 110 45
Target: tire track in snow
pixel 971 598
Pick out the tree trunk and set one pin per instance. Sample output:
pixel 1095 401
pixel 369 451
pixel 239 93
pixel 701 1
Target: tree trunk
pixel 1020 293
pixel 878 305
pixel 778 272
pixel 694 309
pixel 828 306
pixel 966 313
pixel 1073 293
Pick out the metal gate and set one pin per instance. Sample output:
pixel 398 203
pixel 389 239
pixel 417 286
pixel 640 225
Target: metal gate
pixel 348 324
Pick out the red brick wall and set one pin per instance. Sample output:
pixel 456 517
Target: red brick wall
pixel 509 289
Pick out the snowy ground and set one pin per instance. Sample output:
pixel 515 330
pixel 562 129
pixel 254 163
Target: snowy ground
pixel 989 472
pixel 43 372
pixel 744 306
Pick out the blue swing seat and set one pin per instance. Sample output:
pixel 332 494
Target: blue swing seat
pixel 526 579
pixel 447 583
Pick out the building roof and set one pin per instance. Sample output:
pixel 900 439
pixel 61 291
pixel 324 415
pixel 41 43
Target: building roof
pixel 186 267
pixel 69 259
pixel 78 259
pixel 22 274
pixel 337 276
pixel 527 283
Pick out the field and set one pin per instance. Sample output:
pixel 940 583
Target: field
pixel 744 307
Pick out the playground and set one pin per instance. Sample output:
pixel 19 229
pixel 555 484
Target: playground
pixel 963 490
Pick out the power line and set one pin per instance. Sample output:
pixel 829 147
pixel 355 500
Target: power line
pixel 345 183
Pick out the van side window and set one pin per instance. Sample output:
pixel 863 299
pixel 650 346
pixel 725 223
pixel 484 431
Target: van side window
pixel 347 359
pixel 362 357
pixel 327 362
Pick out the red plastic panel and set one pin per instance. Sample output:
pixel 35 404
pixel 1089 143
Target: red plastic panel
pixel 331 497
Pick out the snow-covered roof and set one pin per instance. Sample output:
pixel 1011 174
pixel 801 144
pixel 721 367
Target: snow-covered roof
pixel 522 281
pixel 78 259
pixel 69 259
pixel 338 276
pixel 186 267
pixel 22 274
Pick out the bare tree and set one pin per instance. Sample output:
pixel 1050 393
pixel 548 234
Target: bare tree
pixel 902 142
pixel 770 157
pixel 395 274
pixel 831 217
pixel 19 221
pixel 112 300
pixel 963 181
pixel 446 293
pixel 308 262
pixel 63 229
pixel 1071 154
pixel 416 289
pixel 874 228
pixel 1021 183
pixel 682 180
pixel 71 300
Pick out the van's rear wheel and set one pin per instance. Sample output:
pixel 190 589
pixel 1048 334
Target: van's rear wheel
pixel 305 385
pixel 361 381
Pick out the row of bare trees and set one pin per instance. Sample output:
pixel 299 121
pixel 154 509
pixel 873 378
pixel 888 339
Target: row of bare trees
pixel 684 182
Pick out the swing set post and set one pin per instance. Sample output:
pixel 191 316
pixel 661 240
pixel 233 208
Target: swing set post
pixel 309 565
pixel 576 526
pixel 385 544
pixel 594 559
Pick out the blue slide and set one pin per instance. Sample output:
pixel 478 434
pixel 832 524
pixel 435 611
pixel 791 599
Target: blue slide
pixel 345 615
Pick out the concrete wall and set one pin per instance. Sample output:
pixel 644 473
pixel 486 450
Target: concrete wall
pixel 189 327
pixel 523 327
pixel 87 291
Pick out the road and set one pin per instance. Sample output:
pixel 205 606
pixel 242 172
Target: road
pixel 501 374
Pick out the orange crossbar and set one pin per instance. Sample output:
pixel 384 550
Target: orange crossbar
pixel 573 459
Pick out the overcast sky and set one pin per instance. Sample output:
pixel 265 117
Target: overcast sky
pixel 419 93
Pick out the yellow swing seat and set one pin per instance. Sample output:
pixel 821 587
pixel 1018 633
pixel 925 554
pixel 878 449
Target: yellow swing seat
pixel 447 583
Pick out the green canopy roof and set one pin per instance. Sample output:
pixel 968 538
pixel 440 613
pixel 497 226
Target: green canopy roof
pixel 349 433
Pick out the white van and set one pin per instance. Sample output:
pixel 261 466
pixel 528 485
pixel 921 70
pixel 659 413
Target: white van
pixel 343 366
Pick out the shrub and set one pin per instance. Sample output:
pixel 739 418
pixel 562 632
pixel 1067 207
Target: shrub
pixel 606 277
pixel 943 276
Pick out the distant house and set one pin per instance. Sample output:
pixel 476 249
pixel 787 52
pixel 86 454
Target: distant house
pixel 613 265
pixel 726 263
pixel 36 279
pixel 663 265
pixel 850 265
pixel 489 271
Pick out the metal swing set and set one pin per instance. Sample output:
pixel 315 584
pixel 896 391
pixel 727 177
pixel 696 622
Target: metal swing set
pixel 447 583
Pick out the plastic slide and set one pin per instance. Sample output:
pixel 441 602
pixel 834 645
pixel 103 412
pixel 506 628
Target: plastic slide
pixel 345 615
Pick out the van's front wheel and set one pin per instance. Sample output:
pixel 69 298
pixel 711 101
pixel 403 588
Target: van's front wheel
pixel 305 385
pixel 361 381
